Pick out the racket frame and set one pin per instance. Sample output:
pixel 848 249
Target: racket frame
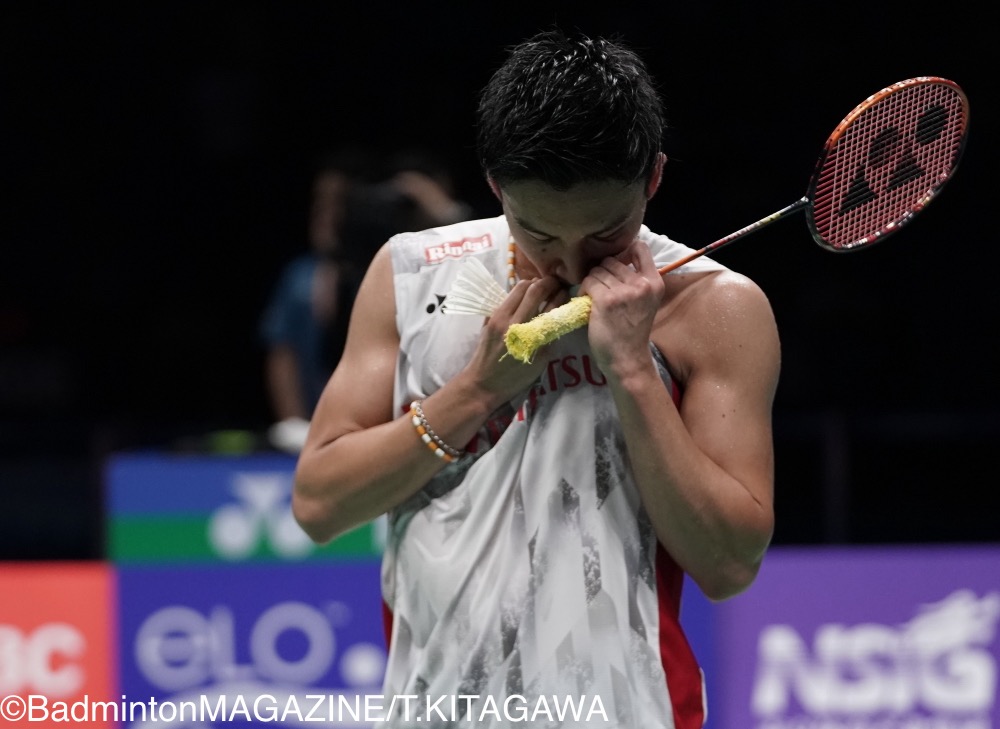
pixel 807 203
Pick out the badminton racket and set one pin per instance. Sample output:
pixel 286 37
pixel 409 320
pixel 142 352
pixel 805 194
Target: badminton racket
pixel 881 166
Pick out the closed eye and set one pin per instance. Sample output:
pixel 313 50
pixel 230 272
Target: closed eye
pixel 610 235
pixel 607 237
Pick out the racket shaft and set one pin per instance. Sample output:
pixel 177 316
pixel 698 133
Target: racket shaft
pixel 741 233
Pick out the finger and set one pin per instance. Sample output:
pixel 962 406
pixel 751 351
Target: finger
pixel 642 259
pixel 561 297
pixel 615 267
pixel 601 277
pixel 513 299
pixel 632 258
pixel 539 291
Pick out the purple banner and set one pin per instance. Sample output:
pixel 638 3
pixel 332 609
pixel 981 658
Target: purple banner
pixel 236 646
pixel 859 638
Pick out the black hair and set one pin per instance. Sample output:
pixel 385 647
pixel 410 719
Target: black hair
pixel 565 110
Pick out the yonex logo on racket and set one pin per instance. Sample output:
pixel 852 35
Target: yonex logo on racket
pixel 887 160
pixel 894 157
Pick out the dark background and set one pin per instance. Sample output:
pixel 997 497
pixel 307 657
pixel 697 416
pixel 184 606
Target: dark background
pixel 156 161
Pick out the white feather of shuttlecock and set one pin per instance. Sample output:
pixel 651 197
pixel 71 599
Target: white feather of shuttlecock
pixel 474 291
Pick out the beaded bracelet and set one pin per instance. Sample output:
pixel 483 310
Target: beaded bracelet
pixel 431 439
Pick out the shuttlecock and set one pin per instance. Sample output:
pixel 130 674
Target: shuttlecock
pixel 474 291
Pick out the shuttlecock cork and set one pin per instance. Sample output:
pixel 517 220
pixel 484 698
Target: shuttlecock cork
pixel 523 340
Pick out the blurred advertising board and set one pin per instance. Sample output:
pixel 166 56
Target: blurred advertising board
pixel 861 638
pixel 241 645
pixel 180 509
pixel 56 643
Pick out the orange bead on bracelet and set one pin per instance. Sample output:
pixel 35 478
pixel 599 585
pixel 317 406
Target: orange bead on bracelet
pixel 437 446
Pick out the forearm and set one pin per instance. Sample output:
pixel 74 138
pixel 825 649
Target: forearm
pixel 345 481
pixel 361 458
pixel 710 523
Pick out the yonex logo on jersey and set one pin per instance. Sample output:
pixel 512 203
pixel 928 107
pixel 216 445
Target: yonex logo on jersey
pixel 457 249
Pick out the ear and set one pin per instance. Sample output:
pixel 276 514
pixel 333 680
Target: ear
pixel 656 176
pixel 495 187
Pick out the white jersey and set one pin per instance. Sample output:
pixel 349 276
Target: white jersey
pixel 527 573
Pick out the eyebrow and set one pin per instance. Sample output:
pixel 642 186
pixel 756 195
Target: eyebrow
pixel 611 227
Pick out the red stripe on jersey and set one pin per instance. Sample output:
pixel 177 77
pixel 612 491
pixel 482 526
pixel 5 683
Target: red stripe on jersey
pixel 679 664
pixel 675 393
pixel 387 623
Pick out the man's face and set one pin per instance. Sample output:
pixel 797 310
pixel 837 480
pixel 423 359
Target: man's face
pixel 567 233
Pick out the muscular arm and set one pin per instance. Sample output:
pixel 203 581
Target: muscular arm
pixel 705 472
pixel 361 458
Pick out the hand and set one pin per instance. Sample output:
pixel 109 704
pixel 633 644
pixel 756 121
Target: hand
pixel 626 292
pixel 492 368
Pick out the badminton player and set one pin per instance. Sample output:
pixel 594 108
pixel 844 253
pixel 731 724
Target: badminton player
pixel 542 515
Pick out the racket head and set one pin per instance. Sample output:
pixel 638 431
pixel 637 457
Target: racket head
pixel 886 161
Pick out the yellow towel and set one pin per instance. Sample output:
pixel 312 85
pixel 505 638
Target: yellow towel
pixel 523 340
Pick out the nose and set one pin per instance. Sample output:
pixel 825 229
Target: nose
pixel 570 267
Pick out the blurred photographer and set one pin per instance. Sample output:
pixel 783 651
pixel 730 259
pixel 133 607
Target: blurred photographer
pixel 304 325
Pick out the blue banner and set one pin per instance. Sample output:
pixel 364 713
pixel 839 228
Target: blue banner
pixel 235 645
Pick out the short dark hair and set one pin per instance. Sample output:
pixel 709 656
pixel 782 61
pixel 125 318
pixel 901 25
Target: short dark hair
pixel 565 110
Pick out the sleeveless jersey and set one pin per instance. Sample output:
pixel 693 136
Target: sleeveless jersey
pixel 528 568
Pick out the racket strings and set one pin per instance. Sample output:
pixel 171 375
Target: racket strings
pixel 887 162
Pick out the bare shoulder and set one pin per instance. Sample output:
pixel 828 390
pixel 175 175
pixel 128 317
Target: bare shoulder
pixel 359 393
pixel 375 298
pixel 715 291
pixel 716 320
